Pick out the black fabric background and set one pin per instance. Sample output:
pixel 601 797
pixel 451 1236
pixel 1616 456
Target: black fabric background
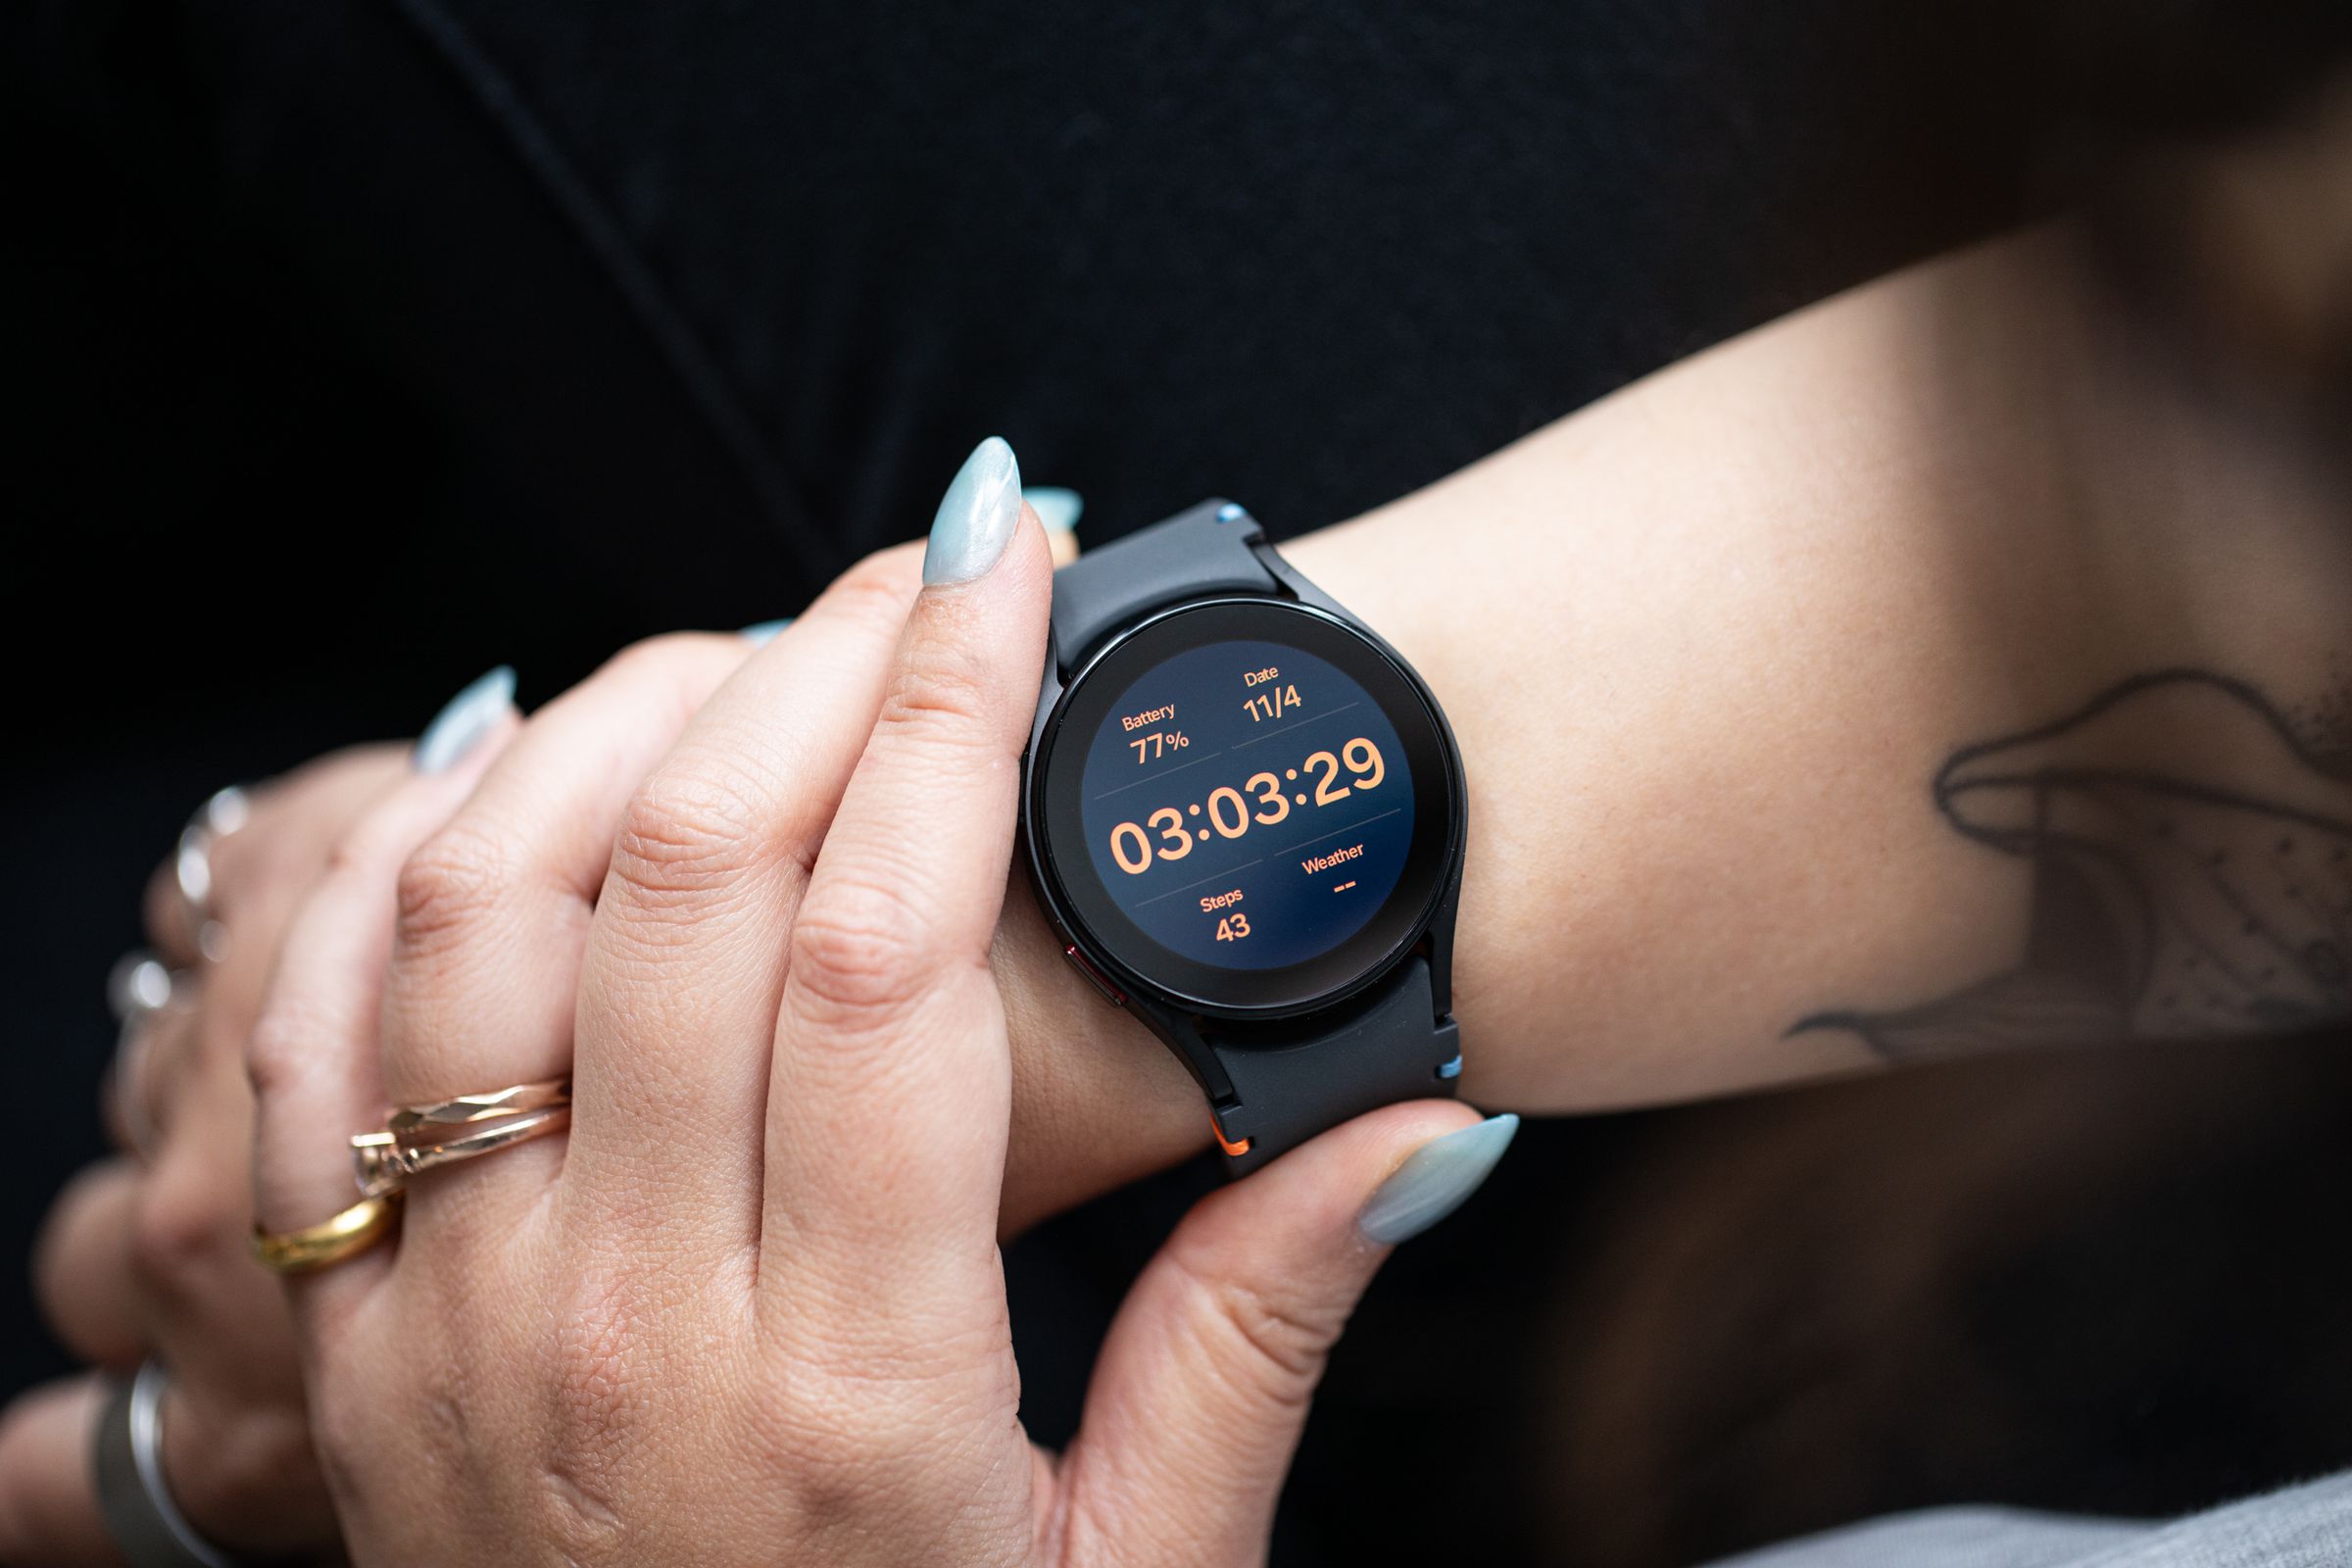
pixel 353 347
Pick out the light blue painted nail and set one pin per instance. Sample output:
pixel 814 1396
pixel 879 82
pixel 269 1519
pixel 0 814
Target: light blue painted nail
pixel 459 727
pixel 976 516
pixel 762 635
pixel 1438 1179
pixel 1057 509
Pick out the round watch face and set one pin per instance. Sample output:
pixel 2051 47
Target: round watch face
pixel 1245 805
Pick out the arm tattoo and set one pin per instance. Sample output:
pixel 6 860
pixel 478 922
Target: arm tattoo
pixel 2189 849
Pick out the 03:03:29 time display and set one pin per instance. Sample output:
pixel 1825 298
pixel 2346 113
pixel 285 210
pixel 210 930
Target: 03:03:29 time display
pixel 1165 835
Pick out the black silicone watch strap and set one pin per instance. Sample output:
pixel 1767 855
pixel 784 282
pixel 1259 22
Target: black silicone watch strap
pixel 1390 1045
pixel 1394 1049
pixel 1205 551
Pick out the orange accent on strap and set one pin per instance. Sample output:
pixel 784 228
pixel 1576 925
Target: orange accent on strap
pixel 1236 1150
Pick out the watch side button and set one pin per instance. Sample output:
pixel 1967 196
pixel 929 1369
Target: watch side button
pixel 1233 1150
pixel 1110 993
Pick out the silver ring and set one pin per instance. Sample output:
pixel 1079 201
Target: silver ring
pixel 227 811
pixel 140 989
pixel 127 1460
pixel 139 985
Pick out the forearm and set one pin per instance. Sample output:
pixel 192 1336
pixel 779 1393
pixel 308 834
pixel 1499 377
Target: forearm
pixel 1709 646
pixel 1774 592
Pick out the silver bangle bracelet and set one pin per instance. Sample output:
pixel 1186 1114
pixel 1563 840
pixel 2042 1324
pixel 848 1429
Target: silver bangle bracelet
pixel 127 1459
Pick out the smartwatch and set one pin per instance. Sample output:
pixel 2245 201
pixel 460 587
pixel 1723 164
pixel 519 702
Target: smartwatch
pixel 1244 817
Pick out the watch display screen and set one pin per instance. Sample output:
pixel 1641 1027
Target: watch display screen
pixel 1246 804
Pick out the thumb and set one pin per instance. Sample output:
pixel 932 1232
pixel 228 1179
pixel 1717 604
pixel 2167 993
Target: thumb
pixel 1205 1382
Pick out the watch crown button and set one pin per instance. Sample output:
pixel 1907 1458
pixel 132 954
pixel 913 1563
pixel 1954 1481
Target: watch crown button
pixel 1110 993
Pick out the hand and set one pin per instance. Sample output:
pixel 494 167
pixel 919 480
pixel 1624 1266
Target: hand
pixel 151 1259
pixel 751 1310
pixel 145 1255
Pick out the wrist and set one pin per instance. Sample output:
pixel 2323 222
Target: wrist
pixel 1097 1100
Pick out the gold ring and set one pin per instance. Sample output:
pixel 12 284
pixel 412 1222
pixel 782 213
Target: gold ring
pixel 328 1243
pixel 384 1162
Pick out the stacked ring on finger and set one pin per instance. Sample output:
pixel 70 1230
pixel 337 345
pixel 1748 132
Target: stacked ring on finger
pixel 126 1456
pixel 139 988
pixel 330 1242
pixel 418 1137
pixel 223 813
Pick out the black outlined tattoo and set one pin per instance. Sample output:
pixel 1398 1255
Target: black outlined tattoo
pixel 2190 852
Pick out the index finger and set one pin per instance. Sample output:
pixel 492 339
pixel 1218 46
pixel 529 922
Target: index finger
pixel 891 1081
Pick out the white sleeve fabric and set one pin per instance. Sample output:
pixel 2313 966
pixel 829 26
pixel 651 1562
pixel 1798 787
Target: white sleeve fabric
pixel 2302 1527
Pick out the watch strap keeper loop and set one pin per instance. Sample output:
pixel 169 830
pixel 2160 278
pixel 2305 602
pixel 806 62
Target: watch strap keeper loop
pixel 1394 1048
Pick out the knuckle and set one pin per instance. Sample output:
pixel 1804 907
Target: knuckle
pixel 689 829
pixel 858 951
pixel 945 695
pixel 280 1046
pixel 590 1361
pixel 839 1473
pixel 842 1446
pixel 424 1427
pixel 450 888
pixel 175 1228
pixel 579 1515
pixel 599 1400
pixel 1258 1339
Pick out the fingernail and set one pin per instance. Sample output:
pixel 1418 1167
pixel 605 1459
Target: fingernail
pixel 459 727
pixel 1057 509
pixel 976 516
pixel 762 635
pixel 1436 1180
